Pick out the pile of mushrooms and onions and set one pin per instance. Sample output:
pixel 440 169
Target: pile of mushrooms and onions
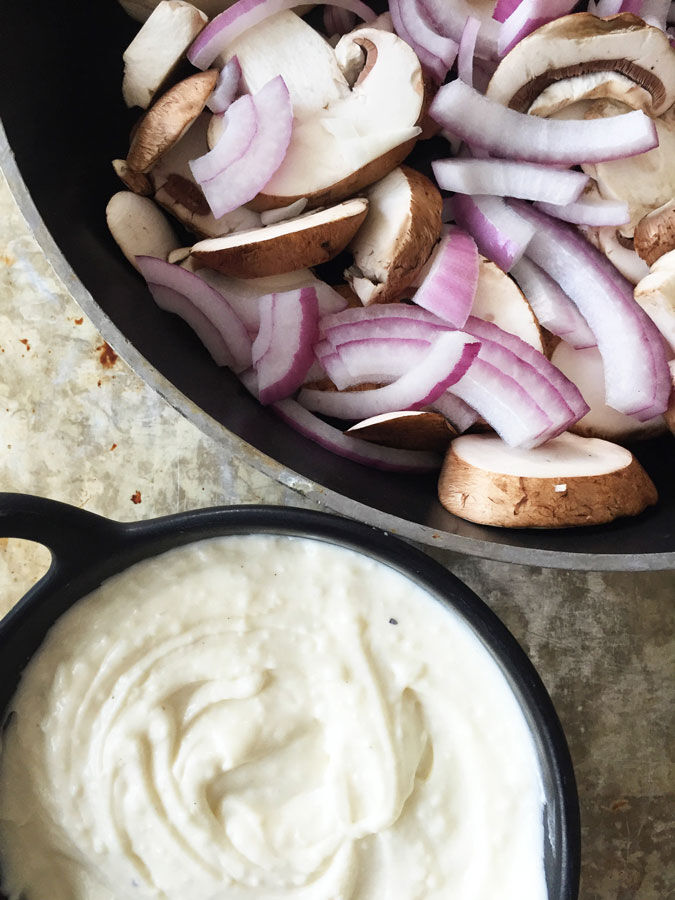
pixel 505 317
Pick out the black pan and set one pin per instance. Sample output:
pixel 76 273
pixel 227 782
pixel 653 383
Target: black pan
pixel 86 549
pixel 62 109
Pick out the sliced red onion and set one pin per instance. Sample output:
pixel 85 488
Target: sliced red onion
pixel 226 87
pixel 244 14
pixel 459 413
pixel 631 6
pixel 174 302
pixel 289 346
pixel 376 311
pixel 449 19
pixel 504 404
pixel 656 12
pixel 508 133
pixel 491 335
pixel 527 17
pixel 331 438
pixel 636 371
pixel 388 328
pixel 449 287
pixel 592 212
pixel 606 8
pixel 247 176
pixel 240 125
pixel 435 52
pixel 337 20
pixel 503 9
pixel 506 178
pixel 467 49
pixel 382 359
pixel 329 360
pixel 447 359
pixel 263 338
pixel 500 235
pixel 210 303
pixel 551 305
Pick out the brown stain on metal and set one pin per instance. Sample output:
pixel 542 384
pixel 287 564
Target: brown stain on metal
pixel 136 497
pixel 114 447
pixel 107 357
pixel 24 341
pixel 7 260
pixel 78 321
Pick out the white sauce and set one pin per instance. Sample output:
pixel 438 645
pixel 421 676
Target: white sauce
pixel 267 717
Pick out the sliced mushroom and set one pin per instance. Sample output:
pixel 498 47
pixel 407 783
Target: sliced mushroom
pixel 568 481
pixel 168 119
pixel 286 45
pixel 357 138
pixel 646 181
pixel 655 233
pixel 158 48
pixel 402 226
pixel 178 192
pixel 407 430
pixel 581 43
pixel 139 227
pixel 286 246
pixel 656 295
pixel 570 92
pixel 498 299
pixel 585 369
pixel 618 251
pixel 141 9
pixel 135 181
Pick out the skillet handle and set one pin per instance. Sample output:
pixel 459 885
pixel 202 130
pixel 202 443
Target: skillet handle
pixel 73 535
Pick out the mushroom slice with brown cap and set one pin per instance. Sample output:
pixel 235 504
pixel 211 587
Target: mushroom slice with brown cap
pixel 139 227
pixel 498 299
pixel 644 182
pixel 407 430
pixel 580 43
pixel 570 92
pixel 655 233
pixel 396 239
pixel 358 138
pixel 656 295
pixel 177 191
pixel 286 246
pixel 168 119
pixel 568 481
pixel 135 181
pixel 158 48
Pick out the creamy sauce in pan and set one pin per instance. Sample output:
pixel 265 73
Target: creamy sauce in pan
pixel 264 718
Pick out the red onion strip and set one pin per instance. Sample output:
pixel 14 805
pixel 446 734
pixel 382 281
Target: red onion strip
pixel 503 403
pixel 248 175
pixel 174 302
pixel 226 87
pixel 448 358
pixel 596 213
pixel 435 52
pixel 355 314
pixel 456 411
pixel 207 300
pixel 384 327
pixel 382 359
pixel 636 371
pixel 467 49
pixel 289 352
pixel 656 12
pixel 449 19
pixel 606 8
pixel 505 132
pixel 331 438
pixel 240 126
pixel 449 287
pixel 551 305
pixel 499 234
pixel 527 17
pixel 506 178
pixel 503 9
pixel 244 14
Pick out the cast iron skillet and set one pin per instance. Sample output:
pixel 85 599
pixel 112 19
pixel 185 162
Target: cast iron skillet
pixel 86 549
pixel 61 67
